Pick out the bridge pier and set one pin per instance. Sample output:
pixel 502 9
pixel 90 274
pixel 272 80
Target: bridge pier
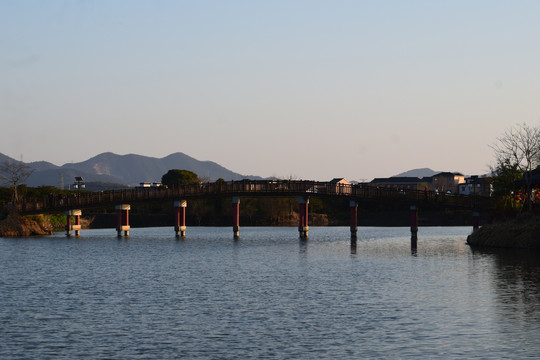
pixel 77 226
pixel 180 218
pixel 414 226
pixel 122 219
pixel 236 216
pixel 354 218
pixel 303 228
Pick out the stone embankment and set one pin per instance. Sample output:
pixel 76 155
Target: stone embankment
pixel 521 232
pixel 15 225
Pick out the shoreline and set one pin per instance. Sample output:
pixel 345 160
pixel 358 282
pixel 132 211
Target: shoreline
pixel 15 225
pixel 522 232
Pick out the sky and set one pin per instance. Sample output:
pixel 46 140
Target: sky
pixel 296 89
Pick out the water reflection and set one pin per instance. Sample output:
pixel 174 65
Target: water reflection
pixel 516 282
pixel 303 242
pixel 414 245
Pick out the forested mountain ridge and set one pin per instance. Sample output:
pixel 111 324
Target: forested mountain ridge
pixel 123 170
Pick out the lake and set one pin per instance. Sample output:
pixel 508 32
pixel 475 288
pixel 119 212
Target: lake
pixel 268 295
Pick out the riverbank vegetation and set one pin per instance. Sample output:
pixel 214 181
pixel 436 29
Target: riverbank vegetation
pixel 522 231
pixel 516 180
pixel 517 154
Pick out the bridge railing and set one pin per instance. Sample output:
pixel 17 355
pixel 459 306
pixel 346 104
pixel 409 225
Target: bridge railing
pixel 257 187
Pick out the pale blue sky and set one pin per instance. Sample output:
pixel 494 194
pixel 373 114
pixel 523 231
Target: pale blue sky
pixel 308 89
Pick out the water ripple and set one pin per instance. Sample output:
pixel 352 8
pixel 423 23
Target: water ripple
pixel 267 296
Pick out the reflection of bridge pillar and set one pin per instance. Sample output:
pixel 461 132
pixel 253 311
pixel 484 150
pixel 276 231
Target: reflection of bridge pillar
pixel 354 218
pixel 236 216
pixel 122 219
pixel 476 220
pixel 414 225
pixel 77 226
pixel 180 218
pixel 303 202
pixel 68 223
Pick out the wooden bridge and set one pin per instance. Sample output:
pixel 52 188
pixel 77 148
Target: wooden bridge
pixel 356 194
pixel 254 188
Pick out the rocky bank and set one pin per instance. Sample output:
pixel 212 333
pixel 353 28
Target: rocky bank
pixel 15 225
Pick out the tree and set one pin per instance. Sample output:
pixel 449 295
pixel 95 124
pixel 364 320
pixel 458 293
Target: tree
pixel 13 174
pixel 175 177
pixel 505 176
pixel 519 149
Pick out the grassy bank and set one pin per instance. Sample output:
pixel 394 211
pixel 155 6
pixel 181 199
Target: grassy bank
pixel 520 232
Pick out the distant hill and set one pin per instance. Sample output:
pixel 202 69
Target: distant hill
pixel 420 173
pixel 112 170
pixel 42 165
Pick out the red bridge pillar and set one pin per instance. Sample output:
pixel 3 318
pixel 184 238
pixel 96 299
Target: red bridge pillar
pixel 236 216
pixel 303 228
pixel 354 218
pixel 180 218
pixel 122 219
pixel 77 226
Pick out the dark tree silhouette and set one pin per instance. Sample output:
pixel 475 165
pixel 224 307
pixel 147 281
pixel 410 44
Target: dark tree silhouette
pixel 177 177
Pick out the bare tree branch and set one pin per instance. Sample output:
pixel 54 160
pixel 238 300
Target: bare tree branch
pixel 13 174
pixel 519 148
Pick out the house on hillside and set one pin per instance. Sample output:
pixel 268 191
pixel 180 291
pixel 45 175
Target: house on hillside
pixel 447 182
pixel 475 185
pixel 401 183
pixel 340 186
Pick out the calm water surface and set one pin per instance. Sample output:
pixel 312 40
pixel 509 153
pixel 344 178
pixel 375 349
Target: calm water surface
pixel 268 295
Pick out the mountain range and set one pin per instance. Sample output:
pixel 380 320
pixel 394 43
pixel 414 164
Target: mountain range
pixel 108 170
